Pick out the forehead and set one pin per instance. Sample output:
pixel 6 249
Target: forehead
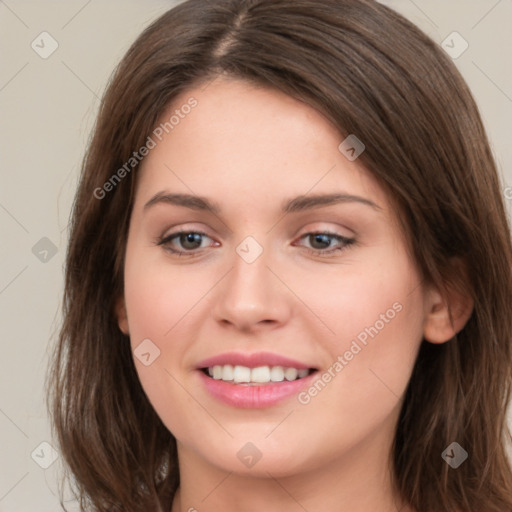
pixel 249 143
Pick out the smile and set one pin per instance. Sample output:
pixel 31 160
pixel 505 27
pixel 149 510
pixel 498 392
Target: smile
pixel 254 380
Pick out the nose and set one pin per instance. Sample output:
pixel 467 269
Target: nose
pixel 251 298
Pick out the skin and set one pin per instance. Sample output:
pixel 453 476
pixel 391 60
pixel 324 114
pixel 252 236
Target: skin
pixel 248 149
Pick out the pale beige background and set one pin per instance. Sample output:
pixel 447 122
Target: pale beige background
pixel 47 111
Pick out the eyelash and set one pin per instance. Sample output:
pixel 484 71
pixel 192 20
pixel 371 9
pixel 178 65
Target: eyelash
pixel 347 242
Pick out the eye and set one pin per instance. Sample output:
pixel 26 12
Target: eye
pixel 187 241
pixel 325 243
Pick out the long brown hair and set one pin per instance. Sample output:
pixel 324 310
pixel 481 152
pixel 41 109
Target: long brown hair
pixel 374 74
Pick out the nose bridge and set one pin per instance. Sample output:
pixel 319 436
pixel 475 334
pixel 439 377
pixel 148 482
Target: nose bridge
pixel 251 294
pixel 249 281
pixel 250 274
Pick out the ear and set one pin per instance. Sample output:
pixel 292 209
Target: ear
pixel 121 315
pixel 447 312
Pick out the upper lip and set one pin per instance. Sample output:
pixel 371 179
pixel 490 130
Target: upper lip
pixel 252 360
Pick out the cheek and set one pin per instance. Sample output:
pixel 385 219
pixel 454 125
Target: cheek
pixel 374 296
pixel 377 317
pixel 165 304
pixel 158 297
pixel 158 300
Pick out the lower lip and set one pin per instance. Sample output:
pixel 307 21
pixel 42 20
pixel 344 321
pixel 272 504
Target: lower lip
pixel 254 396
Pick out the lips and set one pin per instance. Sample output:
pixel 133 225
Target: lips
pixel 252 360
pixel 254 380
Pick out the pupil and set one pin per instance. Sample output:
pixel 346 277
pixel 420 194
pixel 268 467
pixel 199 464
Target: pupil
pixel 321 239
pixel 194 239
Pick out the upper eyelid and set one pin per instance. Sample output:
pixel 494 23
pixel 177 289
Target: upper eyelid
pixel 175 230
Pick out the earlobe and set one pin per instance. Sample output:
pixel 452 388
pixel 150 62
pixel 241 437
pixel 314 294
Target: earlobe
pixel 446 315
pixel 121 315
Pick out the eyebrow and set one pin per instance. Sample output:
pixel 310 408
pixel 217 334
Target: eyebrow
pixel 297 204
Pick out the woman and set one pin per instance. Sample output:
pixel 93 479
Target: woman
pixel 289 273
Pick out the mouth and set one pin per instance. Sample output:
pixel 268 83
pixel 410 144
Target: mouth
pixel 256 376
pixel 254 380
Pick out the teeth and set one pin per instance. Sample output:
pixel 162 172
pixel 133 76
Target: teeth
pixel 260 375
pixel 277 374
pixel 240 374
pixel 227 372
pixel 290 373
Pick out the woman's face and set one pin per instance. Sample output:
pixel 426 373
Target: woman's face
pixel 291 264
